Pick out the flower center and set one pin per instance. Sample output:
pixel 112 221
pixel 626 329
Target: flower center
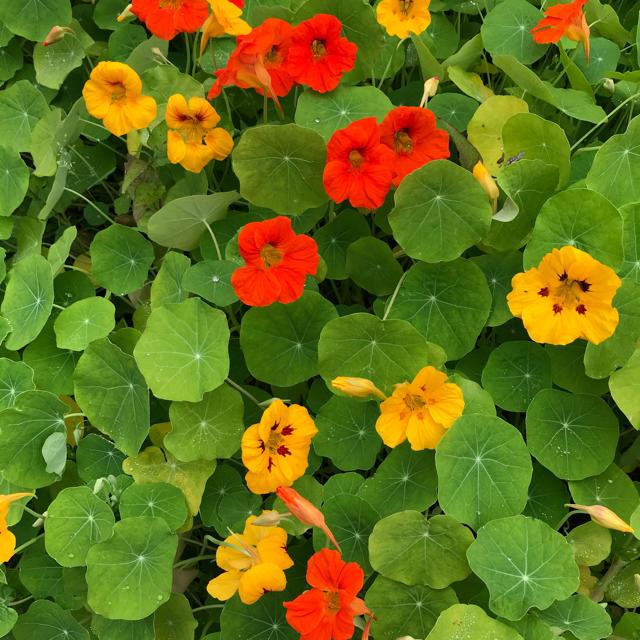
pixel 272 55
pixel 333 601
pixel 414 401
pixel 403 142
pixel 118 90
pixel 567 294
pixel 356 158
pixel 170 4
pixel 270 256
pixel 318 49
pixel 405 6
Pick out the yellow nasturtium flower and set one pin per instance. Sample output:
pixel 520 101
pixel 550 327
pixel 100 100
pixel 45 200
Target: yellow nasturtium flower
pixel 113 94
pixel 193 139
pixel 224 18
pixel 253 563
pixel 420 411
pixel 7 539
pixel 482 175
pixel 403 17
pixel 567 296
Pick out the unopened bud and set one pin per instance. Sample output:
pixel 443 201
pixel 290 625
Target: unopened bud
pixel 158 54
pixel 56 34
pixel 636 579
pixel 357 387
pixel 269 519
pixel 604 517
pixel 608 85
pixel 481 174
pixel 126 14
pixel 430 89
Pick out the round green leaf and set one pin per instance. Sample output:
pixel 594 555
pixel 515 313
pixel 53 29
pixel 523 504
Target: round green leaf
pixel 113 394
pixel 157 500
pixel 97 457
pixel 211 280
pixel 515 372
pixel 59 251
pixel 631 228
pixel 612 488
pixel 123 629
pixel 484 470
pixel 573 435
pixel 346 433
pixel 23 431
pixel 28 299
pixel 476 399
pixel 56 61
pixel 183 351
pixel 604 58
pixel 209 429
pixel 623 589
pixel 124 40
pixel 263 619
pixel 14 180
pixel 448 303
pixel 385 351
pixel 280 167
pixel 567 369
pixel 615 171
pixel 120 259
pixel 167 286
pixel 181 222
pixel 129 576
pixel 11 59
pixel 624 389
pixel 580 615
pixel 406 479
pixel 591 543
pixel 409 548
pixel 405 610
pixel 280 342
pixel 547 497
pixel 340 483
pixel 440 210
pixel 8 619
pixel 77 519
pixel 83 322
pixel 454 108
pixel 15 377
pixel 506 28
pixel 371 265
pixel 22 105
pixel 468 622
pixel 524 563
pixel 174 619
pixel 580 218
pixel 325 113
pixel 45 620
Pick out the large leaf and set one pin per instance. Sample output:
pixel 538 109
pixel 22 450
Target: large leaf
pixel 113 394
pixel 583 617
pixel 183 351
pixel 83 322
pixel 129 575
pixel 97 457
pixel 524 563
pixel 15 377
pixel 468 622
pixel 45 620
pixel 263 620
pixel 14 180
pixel 625 389
pixel 33 19
pixel 484 470
pixel 21 106
pixel 280 168
pixel 158 500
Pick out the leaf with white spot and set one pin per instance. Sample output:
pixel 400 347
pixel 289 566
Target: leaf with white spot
pixel 45 620
pixel 583 617
pixel 97 457
pixel 15 377
pixel 211 279
pixel 21 106
pixel 14 180
pixel 83 322
pixel 76 520
pixel 158 500
pixel 468 622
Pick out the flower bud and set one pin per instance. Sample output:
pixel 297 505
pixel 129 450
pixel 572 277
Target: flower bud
pixel 481 174
pixel 269 519
pixel 636 579
pixel 357 387
pixel 604 517
pixel 55 35
pixel 430 88
pixel 126 14
pixel 306 512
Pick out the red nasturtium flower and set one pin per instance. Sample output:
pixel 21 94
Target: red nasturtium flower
pixel 359 167
pixel 563 20
pixel 277 260
pixel 412 135
pixel 238 3
pixel 319 56
pixel 258 61
pixel 326 611
pixel 167 18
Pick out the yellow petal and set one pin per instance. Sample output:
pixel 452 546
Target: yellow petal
pixel 220 142
pixel 116 119
pixel 176 147
pixel 196 157
pixel 423 432
pixel 225 585
pixel 392 423
pixel 142 111
pixel 6 500
pixel 273 548
pixel 177 111
pixel 7 544
pixel 259 580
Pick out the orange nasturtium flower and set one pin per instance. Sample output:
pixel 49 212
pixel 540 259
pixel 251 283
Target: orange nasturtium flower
pixel 113 94
pixel 224 18
pixel 253 563
pixel 7 539
pixel 564 20
pixel 402 17
pixel 192 140
pixel 167 18
pixel 567 296
pixel 276 450
pixel 420 411
pixel 604 517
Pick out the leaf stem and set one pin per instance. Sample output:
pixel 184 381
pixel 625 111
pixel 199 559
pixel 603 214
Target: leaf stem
pixel 243 391
pixel 393 297
pixel 193 560
pixel 614 569
pixel 35 514
pixel 22 547
pixel 207 606
pixel 213 237
pixel 98 209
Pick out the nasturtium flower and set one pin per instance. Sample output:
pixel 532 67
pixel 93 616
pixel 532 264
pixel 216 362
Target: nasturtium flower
pixel 258 61
pixel 566 297
pixel 276 450
pixel 420 411
pixel 277 262
pixel 253 563
pixel 7 539
pixel 326 611
pixel 604 517
pixel 113 94
pixel 482 175
pixel 224 18
pixel 564 20
pixel 193 139
pixel 318 55
pixel 167 18
pixel 403 17
pixel 359 167
pixel 411 133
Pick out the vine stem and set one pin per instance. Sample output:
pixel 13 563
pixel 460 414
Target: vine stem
pixel 27 544
pixel 207 606
pixel 393 297
pixel 243 391
pixel 35 514
pixel 188 561
pixel 614 569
